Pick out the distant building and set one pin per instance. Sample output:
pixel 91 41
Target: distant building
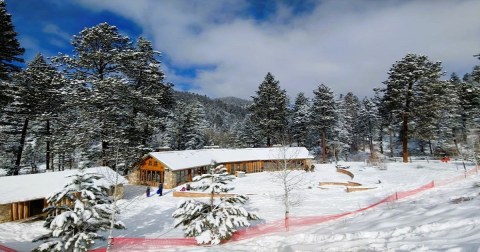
pixel 25 196
pixel 173 168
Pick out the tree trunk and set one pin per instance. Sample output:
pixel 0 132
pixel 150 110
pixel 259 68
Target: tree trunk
pixel 269 142
pixel 390 135
pixel 324 145
pixel 405 138
pixel 20 148
pixel 370 142
pixel 422 146
pixel 430 146
pixel 47 154
pixel 456 146
pixel 52 157
pixel 287 198
pixel 104 153
pixel 363 143
pixel 381 140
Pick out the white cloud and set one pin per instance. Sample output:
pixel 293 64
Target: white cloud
pixel 346 45
pixel 60 36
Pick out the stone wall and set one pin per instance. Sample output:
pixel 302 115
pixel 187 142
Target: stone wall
pixel 134 177
pixel 5 213
pixel 170 179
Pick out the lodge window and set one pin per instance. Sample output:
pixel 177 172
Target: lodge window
pixel 155 163
pixel 147 176
pixel 181 176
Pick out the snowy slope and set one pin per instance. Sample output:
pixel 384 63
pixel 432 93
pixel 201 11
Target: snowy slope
pixel 428 221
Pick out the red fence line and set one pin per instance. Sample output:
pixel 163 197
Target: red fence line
pixel 6 249
pixel 122 244
pixel 127 244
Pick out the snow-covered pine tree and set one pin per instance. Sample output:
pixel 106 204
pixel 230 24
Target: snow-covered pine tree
pixel 427 111
pixel 77 213
pixel 449 128
pixel 96 68
pixel 269 109
pixel 150 98
pixel 217 219
pixel 10 50
pixel 248 134
pixel 352 106
pixel 387 122
pixel 340 135
pixel 186 126
pixel 323 115
pixel 399 94
pixel 470 100
pixel 369 121
pixel 36 96
pixel 300 119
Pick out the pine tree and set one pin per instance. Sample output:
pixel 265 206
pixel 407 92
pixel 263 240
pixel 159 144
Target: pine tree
pixel 300 119
pixel 248 134
pixel 101 53
pixel 369 122
pixel 449 127
pixel 323 115
pixel 75 226
pixel 216 220
pixel 341 136
pixel 352 106
pixel 10 50
pixel 425 112
pixel 36 98
pixel 269 109
pixel 151 99
pixel 405 77
pixel 186 127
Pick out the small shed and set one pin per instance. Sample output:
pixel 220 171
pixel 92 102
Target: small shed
pixel 173 168
pixel 25 196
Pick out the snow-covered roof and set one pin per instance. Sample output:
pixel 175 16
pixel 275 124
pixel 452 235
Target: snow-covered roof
pixel 177 160
pixel 42 185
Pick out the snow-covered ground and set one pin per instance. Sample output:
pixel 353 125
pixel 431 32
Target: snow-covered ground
pixel 444 218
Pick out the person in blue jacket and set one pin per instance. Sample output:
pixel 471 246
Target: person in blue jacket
pixel 160 189
pixel 148 191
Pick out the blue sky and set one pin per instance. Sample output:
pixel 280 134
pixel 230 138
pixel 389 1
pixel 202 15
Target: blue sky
pixel 226 47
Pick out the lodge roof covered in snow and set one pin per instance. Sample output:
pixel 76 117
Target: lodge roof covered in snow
pixel 178 160
pixel 42 185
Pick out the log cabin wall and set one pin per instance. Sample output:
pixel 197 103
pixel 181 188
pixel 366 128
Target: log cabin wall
pixel 20 210
pixel 247 167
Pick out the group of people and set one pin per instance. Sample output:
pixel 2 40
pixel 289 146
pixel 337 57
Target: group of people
pixel 159 190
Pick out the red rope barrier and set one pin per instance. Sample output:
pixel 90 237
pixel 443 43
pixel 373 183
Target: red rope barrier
pixel 6 249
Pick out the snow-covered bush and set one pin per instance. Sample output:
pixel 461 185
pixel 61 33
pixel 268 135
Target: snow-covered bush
pixel 217 219
pixel 76 214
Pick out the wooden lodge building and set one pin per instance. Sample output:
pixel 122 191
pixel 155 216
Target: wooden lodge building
pixel 25 196
pixel 174 168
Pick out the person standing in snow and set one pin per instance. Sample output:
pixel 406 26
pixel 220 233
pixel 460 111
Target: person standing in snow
pixel 160 189
pixel 148 191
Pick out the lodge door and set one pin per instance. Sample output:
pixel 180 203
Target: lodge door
pixel 36 207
